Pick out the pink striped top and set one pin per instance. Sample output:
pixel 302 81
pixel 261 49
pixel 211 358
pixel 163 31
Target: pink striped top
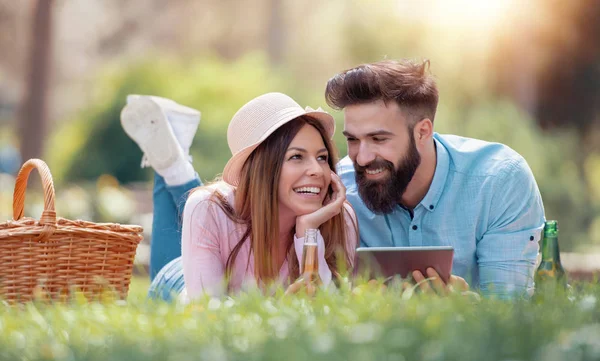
pixel 209 236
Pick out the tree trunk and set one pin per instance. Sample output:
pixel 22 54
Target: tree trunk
pixel 276 34
pixel 32 130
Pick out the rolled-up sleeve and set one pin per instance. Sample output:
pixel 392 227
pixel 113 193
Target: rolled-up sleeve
pixel 507 251
pixel 203 268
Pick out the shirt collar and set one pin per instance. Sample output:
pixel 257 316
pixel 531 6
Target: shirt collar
pixel 439 176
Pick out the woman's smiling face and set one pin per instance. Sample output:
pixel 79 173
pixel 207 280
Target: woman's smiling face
pixel 305 173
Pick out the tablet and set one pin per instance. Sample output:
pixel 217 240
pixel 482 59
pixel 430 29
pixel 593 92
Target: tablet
pixel 373 262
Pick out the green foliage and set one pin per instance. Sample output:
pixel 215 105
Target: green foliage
pixel 348 325
pixel 94 142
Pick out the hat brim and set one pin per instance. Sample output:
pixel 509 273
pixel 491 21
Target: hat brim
pixel 233 168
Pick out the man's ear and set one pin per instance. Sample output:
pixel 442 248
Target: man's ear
pixel 423 130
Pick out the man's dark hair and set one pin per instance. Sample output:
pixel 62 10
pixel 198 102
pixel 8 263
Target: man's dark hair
pixel 406 82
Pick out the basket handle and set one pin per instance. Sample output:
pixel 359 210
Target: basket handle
pixel 48 217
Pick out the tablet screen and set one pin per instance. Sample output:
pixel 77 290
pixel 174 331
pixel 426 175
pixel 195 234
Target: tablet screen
pixel 373 262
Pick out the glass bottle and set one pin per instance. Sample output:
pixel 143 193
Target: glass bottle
pixel 309 271
pixel 550 272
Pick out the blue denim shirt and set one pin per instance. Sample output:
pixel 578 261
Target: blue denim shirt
pixel 483 201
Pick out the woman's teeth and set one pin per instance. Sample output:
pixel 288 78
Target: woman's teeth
pixel 313 190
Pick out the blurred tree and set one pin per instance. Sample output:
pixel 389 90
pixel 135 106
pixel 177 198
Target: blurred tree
pixel 34 111
pixel 553 73
pixel 11 38
pixel 569 82
pixel 276 33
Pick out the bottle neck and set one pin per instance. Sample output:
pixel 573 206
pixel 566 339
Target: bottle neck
pixel 550 250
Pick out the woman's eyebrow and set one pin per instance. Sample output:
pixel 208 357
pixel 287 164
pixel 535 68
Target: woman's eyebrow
pixel 304 150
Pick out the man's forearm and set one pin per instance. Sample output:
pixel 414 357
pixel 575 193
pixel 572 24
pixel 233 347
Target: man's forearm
pixel 507 280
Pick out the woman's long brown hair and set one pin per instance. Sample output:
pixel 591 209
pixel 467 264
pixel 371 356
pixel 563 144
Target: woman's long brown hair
pixel 257 207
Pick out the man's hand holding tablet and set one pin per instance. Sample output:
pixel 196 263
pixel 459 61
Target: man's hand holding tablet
pixel 430 267
pixel 432 282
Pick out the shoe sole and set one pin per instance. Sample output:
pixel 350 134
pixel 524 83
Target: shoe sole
pixel 172 106
pixel 144 121
pixel 190 115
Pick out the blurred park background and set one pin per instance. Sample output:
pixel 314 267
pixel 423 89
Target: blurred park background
pixel 524 73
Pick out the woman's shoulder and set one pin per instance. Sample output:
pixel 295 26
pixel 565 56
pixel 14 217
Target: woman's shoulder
pixel 212 199
pixel 351 225
pixel 349 213
pixel 210 192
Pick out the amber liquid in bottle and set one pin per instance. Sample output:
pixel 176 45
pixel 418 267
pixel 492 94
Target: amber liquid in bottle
pixel 310 259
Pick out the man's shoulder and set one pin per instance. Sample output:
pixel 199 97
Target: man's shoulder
pixel 345 169
pixel 345 166
pixel 475 157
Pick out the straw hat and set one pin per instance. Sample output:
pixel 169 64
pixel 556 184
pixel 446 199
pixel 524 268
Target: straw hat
pixel 258 119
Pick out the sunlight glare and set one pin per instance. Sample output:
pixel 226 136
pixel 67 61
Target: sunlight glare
pixel 480 14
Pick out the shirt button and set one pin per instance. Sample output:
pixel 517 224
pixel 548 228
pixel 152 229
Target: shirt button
pixel 414 227
pixel 531 238
pixel 431 206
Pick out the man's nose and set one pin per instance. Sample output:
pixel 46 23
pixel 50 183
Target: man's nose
pixel 364 155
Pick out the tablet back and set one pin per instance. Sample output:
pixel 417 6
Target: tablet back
pixel 391 261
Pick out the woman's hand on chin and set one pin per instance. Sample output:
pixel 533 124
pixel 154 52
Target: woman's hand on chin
pixel 332 206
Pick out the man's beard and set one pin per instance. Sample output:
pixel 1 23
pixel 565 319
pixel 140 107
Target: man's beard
pixel 381 196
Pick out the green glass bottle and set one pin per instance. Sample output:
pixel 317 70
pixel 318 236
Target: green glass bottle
pixel 550 272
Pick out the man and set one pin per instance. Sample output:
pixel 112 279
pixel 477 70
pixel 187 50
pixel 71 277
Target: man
pixel 411 186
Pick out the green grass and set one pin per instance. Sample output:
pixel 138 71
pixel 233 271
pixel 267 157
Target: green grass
pixel 368 325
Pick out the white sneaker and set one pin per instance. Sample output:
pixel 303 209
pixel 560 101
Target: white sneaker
pixel 184 120
pixel 145 122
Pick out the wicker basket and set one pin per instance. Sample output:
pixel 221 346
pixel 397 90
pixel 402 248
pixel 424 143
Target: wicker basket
pixel 54 256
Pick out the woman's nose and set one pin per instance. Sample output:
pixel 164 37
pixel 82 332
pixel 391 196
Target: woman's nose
pixel 315 168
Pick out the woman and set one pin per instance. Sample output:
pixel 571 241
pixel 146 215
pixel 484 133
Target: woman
pixel 246 230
